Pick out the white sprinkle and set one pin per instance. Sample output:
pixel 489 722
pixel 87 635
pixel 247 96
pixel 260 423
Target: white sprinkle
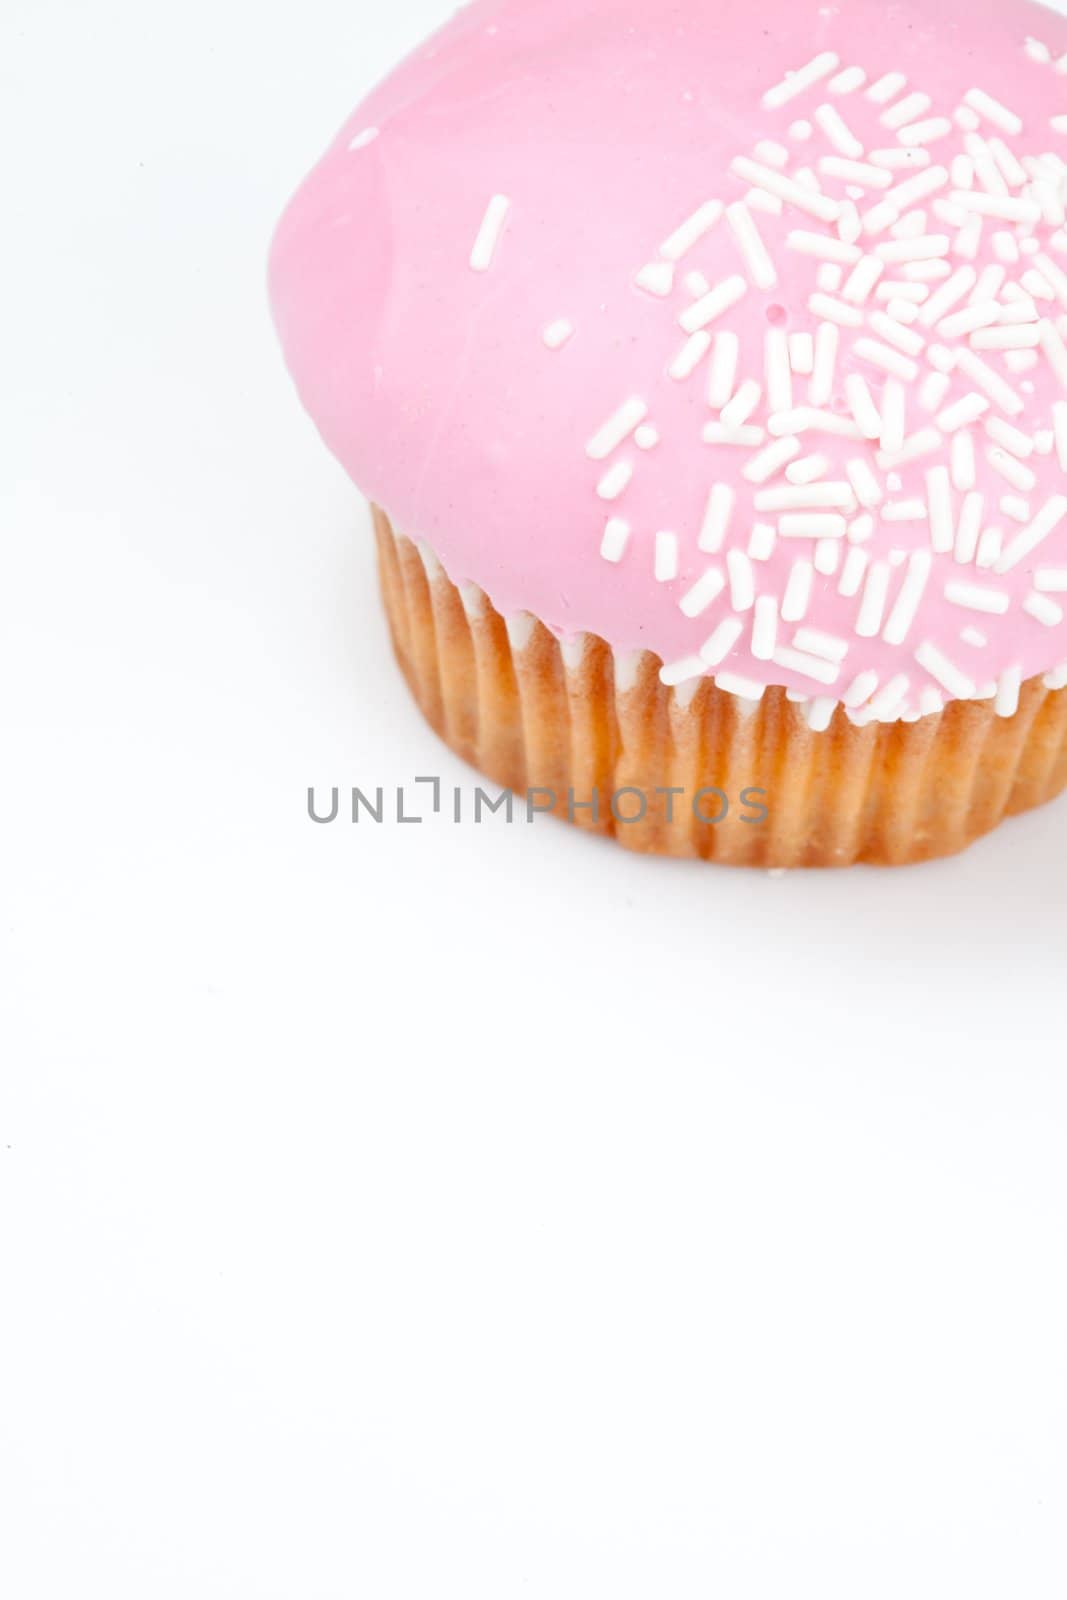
pixel 691 231
pixel 924 132
pixel 1004 207
pixel 886 88
pixel 1055 352
pixel 977 597
pixel 806 666
pixel 939 493
pixel 762 541
pixel 1024 337
pixel 723 369
pixel 993 111
pixel 696 284
pixel 817 205
pixel 557 334
pixel 974 636
pixel 794 496
pixel 646 437
pixel 863 407
pixel 753 250
pixel 740 408
pixel 722 297
pixel 868 489
pixel 908 600
pixel 656 278
pixel 716 517
pixel 895 290
pixel 489 234
pixel 1048 518
pixel 962 460
pixel 807 469
pixel 1015 507
pixel 1005 248
pixel 1011 468
pixel 989 547
pixel 828 277
pixel 615 480
pixel 885 704
pixel 853 571
pixel 968 320
pixel 811 525
pixel 741 688
pixel 860 689
pixel 821 387
pixel 677 672
pixel 872 605
pixel 849 225
pixel 838 132
pixel 771 460
pixel 933 390
pixel 848 81
pixel 906 110
pixel 689 357
pixel 925 271
pixel 947 674
pixel 1043 610
pixel 666 567
pixel 914 446
pixel 881 355
pixel 741 580
pixel 771 153
pixel 961 412
pixel 896 160
pixel 1007 700
pixel 823 305
pixel 855 172
pixel 796 82
pixel 827 556
pixel 617 428
pixel 1037 51
pixel 748 438
pixel 777 371
pixel 1001 393
pixel 616 537
pixel 800 131
pixel 926 248
pixel 363 139
pixel 1059 423
pixel 797 591
pixel 719 644
pixel 823 246
pixel 862 279
pixel 801 353
pixel 894 401
pixel 913 510
pixel 895 333
pixel 765 627
pixel 1051 580
pixel 968 528
pixel 814 642
pixel 703 593
pixel 861 528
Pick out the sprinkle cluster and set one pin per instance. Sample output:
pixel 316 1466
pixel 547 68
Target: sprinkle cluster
pixel 938 282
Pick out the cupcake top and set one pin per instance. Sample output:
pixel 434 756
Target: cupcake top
pixel 735 333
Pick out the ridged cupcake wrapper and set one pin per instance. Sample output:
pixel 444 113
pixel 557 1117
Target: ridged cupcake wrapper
pixel 576 721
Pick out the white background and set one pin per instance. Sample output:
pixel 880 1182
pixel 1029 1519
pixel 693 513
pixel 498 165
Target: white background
pixel 437 1211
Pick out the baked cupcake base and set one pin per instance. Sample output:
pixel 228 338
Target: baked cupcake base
pixel 609 747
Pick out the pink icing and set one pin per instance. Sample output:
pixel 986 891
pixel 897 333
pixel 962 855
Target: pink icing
pixel 606 124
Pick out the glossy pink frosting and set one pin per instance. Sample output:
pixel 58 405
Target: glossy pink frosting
pixel 606 124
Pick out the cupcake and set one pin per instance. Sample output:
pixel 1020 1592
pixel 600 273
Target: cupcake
pixel 706 368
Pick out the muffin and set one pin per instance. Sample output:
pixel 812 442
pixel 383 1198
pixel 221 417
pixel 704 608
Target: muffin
pixel 706 368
